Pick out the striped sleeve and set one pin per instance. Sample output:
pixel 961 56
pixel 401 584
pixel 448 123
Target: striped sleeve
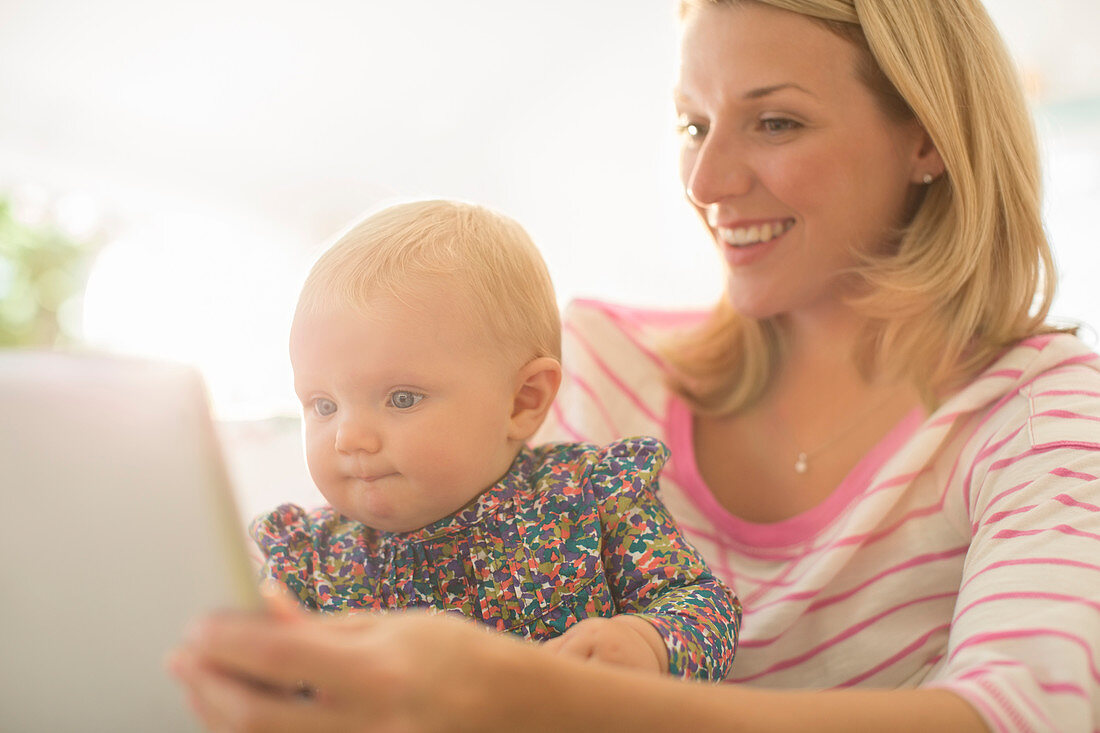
pixel 1024 646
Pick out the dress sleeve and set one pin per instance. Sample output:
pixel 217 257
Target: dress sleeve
pixel 284 537
pixel 654 572
pixel 1024 646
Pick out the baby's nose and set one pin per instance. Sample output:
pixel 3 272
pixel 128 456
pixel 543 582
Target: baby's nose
pixel 357 434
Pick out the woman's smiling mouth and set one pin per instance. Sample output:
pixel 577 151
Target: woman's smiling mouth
pixel 743 236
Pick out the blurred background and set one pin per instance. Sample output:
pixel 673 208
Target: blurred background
pixel 168 171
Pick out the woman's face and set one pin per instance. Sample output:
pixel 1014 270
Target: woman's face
pixel 786 155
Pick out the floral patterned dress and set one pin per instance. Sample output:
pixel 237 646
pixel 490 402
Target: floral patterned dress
pixel 572 531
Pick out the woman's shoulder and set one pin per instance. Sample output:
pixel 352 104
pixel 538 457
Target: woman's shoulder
pixel 1060 381
pixel 1045 390
pixel 1046 359
pixel 614 374
pixel 1064 353
pixel 639 326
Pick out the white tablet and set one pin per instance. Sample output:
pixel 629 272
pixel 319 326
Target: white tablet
pixel 119 525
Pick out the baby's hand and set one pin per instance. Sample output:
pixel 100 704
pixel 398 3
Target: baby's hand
pixel 625 640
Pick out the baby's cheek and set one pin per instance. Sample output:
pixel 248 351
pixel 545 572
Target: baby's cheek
pixel 322 469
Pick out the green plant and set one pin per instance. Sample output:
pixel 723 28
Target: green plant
pixel 42 276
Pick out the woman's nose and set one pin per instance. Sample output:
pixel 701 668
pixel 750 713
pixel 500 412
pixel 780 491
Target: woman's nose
pixel 355 433
pixel 717 170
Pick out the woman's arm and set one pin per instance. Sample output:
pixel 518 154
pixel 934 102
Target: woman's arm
pixel 414 672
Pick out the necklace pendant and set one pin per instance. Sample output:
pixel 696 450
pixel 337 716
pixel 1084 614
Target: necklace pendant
pixel 800 464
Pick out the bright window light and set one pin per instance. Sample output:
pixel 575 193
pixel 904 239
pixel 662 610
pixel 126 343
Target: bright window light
pixel 207 291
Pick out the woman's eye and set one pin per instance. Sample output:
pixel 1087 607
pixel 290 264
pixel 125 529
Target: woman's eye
pixel 403 399
pixel 692 132
pixel 324 407
pixel 776 125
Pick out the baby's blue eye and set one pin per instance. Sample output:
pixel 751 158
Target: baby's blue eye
pixel 403 399
pixel 324 407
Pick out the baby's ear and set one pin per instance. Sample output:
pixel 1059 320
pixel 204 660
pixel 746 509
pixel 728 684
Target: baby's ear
pixel 536 386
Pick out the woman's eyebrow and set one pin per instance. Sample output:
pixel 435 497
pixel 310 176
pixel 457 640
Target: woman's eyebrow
pixel 772 89
pixel 679 96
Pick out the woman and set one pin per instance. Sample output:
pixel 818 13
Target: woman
pixel 876 440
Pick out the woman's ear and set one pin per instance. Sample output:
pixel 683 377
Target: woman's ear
pixel 927 164
pixel 536 386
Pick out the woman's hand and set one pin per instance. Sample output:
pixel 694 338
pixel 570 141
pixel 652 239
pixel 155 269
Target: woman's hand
pixel 419 673
pixel 291 671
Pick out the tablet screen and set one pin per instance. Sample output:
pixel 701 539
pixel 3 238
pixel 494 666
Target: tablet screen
pixel 120 526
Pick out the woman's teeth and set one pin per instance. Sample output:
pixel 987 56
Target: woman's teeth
pixel 755 234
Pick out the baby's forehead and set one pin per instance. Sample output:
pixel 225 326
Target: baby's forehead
pixel 431 325
pixel 424 303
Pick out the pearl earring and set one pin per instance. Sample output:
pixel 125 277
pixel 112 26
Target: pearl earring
pixel 927 178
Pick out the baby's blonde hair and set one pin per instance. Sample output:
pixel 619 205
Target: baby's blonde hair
pixel 971 272
pixel 485 256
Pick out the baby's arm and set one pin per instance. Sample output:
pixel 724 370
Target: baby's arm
pixel 676 615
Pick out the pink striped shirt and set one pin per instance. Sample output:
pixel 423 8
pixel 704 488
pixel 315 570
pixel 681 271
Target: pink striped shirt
pixel 962 552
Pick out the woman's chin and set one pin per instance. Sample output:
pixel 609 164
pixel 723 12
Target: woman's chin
pixel 752 305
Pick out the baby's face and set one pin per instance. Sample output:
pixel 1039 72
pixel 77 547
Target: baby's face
pixel 406 411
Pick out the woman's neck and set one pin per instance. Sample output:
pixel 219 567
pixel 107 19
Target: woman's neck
pixel 821 343
pixel 820 388
pixel 787 452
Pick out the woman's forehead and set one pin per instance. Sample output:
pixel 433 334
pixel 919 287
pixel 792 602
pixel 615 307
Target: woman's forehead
pixel 750 50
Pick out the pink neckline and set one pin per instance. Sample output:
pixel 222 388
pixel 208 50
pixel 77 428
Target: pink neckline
pixel 800 527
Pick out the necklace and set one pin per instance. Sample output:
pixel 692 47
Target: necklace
pixel 802 458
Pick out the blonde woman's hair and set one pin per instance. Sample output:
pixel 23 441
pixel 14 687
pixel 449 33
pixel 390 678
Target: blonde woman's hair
pixel 484 257
pixel 971 272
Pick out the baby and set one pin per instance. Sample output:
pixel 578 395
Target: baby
pixel 425 348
